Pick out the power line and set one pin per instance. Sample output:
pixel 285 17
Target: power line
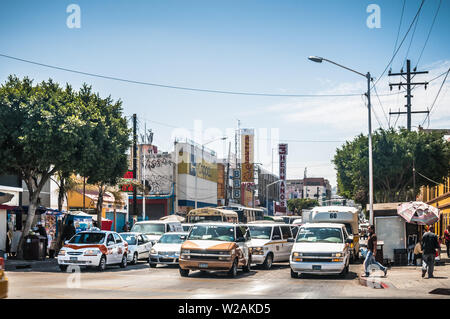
pixel 429 33
pixel 411 41
pixel 399 26
pixel 435 99
pixel 381 105
pixel 401 43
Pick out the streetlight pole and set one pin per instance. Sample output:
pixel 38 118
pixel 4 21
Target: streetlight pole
pixel 368 77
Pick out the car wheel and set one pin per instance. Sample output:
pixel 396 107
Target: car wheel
pixel 233 271
pixel 294 274
pixel 102 263
pixel 135 259
pixel 123 264
pixel 184 272
pixel 63 267
pixel 248 267
pixel 268 261
pixel 153 265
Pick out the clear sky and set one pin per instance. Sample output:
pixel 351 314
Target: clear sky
pixel 247 46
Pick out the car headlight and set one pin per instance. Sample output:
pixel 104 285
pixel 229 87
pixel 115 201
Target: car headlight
pixel 258 250
pixel 153 251
pixel 185 251
pixel 177 253
pixel 297 254
pixel 91 252
pixel 338 255
pixel 62 253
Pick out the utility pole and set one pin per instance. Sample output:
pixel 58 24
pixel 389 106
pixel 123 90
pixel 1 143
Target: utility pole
pixel 409 76
pixel 134 163
pixel 227 177
pixel 144 142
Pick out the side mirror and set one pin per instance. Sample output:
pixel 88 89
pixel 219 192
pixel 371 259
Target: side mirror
pixel 66 242
pixel 290 240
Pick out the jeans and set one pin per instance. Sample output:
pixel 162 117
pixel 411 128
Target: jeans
pixel 370 260
pixel 447 243
pixel 428 263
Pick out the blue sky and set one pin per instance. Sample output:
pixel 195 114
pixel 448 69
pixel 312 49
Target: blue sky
pixel 250 46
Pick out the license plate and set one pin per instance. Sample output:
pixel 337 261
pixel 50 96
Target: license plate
pixel 74 258
pixel 203 265
pixel 316 267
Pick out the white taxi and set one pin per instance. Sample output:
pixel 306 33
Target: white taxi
pixel 270 243
pixel 321 248
pixel 94 249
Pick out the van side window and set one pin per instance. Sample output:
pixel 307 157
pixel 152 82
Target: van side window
pixel 239 233
pixel 276 233
pixel 286 230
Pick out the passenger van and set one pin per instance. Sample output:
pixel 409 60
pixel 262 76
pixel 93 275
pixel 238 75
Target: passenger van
pixel 270 243
pixel 154 229
pixel 211 214
pixel 339 214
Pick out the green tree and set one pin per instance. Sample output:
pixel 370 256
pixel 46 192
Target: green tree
pixel 394 153
pixel 298 204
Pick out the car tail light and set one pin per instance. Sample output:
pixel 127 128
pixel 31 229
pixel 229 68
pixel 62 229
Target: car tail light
pixel 2 263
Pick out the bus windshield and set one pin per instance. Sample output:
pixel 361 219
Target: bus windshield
pixel 320 235
pixel 212 232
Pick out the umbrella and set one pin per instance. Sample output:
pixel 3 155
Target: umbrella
pixel 5 197
pixel 418 213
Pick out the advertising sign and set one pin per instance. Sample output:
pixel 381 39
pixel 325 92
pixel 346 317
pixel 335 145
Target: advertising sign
pixel 247 150
pixel 282 152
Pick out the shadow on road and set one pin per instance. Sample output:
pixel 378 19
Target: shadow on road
pixel 220 274
pixel 349 276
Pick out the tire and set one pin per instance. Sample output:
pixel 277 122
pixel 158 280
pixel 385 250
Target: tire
pixel 268 261
pixel 124 262
pixel 184 272
pixel 63 267
pixel 233 271
pixel 153 265
pixel 135 259
pixel 248 267
pixel 294 274
pixel 102 263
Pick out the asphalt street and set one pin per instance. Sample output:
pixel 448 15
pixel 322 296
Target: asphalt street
pixel 140 281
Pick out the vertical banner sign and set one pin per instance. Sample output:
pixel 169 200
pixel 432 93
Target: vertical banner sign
pixel 247 149
pixel 282 152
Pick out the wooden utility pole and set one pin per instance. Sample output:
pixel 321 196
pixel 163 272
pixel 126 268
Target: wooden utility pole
pixel 408 86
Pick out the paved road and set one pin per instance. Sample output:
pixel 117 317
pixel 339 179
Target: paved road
pixel 140 281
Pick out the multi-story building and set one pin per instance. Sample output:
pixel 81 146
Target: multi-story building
pixel 265 178
pixel 311 187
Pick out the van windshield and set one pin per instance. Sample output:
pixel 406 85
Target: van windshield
pixel 149 229
pixel 320 235
pixel 260 232
pixel 212 232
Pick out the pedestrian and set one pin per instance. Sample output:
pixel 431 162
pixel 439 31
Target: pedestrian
pixel 411 245
pixel 42 232
pixel 68 231
pixel 126 227
pixel 417 252
pixel 447 240
pixel 430 245
pixel 372 252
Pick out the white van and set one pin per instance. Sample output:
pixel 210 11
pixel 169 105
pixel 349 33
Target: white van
pixel 339 214
pixel 270 243
pixel 154 229
pixel 321 248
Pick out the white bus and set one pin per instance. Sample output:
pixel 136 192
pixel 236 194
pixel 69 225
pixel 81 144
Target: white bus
pixel 349 216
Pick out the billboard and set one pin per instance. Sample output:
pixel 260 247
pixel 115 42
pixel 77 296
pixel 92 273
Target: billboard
pixel 247 155
pixel 282 152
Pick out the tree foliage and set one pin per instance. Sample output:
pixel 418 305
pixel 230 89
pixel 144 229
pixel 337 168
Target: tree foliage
pixel 394 154
pixel 48 129
pixel 296 205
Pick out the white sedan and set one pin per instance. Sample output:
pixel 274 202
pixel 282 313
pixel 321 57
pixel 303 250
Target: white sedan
pixel 139 246
pixel 167 249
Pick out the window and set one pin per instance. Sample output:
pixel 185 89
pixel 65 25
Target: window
pixel 276 233
pixel 211 232
pixel 247 234
pixel 320 235
pixel 130 239
pixel 239 233
pixel 110 238
pixel 286 232
pixel 87 238
pixel 260 232
pixel 117 238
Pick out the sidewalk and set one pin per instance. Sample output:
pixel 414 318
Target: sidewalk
pixel 31 265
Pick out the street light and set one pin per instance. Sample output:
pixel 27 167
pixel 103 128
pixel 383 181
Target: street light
pixel 203 146
pixel 368 77
pixel 267 193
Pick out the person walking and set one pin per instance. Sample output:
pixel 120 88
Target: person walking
pixel 126 227
pixel 417 252
pixel 42 232
pixel 447 240
pixel 430 244
pixel 68 231
pixel 372 252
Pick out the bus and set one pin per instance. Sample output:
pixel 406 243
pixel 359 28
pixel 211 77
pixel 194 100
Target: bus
pixel 211 214
pixel 347 215
pixel 246 214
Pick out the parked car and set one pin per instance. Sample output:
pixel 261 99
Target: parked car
pixel 3 280
pixel 270 243
pixel 154 229
pixel 139 246
pixel 167 250
pixel 216 246
pixel 321 248
pixel 94 249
